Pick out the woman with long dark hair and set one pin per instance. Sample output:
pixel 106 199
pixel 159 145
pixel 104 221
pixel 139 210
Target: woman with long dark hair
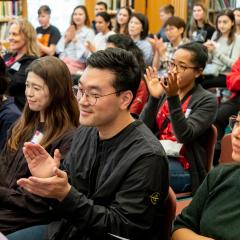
pixel 50 117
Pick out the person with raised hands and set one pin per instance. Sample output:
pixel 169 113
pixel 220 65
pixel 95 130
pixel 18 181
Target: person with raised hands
pixel 180 112
pixel 49 118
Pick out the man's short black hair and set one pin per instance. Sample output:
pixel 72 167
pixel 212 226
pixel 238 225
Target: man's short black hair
pixel 122 64
pixel 44 9
pixel 103 4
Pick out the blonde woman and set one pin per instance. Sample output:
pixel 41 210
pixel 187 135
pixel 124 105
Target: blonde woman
pixel 23 50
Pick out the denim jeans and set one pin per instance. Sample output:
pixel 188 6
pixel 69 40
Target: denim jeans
pixel 32 233
pixel 179 178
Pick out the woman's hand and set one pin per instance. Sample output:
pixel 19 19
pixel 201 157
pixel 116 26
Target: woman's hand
pixel 70 34
pixel 170 84
pixel 153 84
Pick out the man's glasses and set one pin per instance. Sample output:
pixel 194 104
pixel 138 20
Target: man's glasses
pixel 179 68
pixel 233 122
pixel 91 97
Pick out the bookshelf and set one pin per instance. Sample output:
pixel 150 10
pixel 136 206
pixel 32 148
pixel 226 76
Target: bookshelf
pixel 216 6
pixel 10 9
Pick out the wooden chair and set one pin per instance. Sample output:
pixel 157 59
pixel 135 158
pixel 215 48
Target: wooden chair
pixel 226 150
pixel 212 139
pixel 210 146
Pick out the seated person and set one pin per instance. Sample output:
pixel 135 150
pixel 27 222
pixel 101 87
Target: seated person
pixel 214 210
pixel 138 31
pixel 104 29
pixel 9 112
pixel 224 50
pixel 23 50
pixel 200 29
pixel 71 47
pixel 125 42
pixel 228 108
pixel 165 12
pixel 118 171
pixel 47 34
pixel 180 110
pixel 44 120
pixel 164 51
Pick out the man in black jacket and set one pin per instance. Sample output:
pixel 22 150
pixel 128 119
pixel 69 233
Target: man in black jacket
pixel 115 179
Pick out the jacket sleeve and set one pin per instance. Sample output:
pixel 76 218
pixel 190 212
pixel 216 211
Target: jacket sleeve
pixel 235 53
pixel 200 118
pixel 17 198
pixel 130 213
pixel 233 78
pixel 149 113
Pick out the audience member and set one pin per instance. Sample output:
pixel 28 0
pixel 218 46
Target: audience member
pixel 123 17
pixel 180 112
pixel 214 210
pixel 50 117
pixel 228 108
pixel 166 12
pixel 224 50
pixel 117 169
pixel 174 30
pixel 99 7
pixel 72 45
pixel 9 112
pixel 236 13
pixel 199 29
pixel 138 31
pixel 47 34
pixel 104 26
pixel 22 51
pixel 125 42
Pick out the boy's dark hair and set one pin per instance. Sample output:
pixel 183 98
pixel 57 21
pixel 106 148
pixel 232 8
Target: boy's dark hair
pixel 104 4
pixel 4 81
pixel 176 22
pixel 125 42
pixel 144 21
pixel 44 9
pixel 106 17
pixel 199 53
pixel 122 64
pixel 169 8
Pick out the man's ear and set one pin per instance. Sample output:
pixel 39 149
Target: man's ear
pixel 199 72
pixel 125 99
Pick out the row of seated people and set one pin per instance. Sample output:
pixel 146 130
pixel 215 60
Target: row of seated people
pixel 180 83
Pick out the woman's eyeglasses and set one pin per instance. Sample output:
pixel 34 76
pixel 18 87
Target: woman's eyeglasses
pixel 179 68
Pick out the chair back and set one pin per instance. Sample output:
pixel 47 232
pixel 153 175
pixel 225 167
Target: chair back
pixel 226 149
pixel 212 139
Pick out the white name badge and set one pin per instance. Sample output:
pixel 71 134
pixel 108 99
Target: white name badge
pixel 16 66
pixel 37 137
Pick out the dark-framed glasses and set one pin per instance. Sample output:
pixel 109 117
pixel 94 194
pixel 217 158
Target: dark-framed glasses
pixel 92 97
pixel 180 68
pixel 233 121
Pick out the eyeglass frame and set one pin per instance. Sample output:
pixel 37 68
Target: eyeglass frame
pixel 232 121
pixel 96 96
pixel 178 66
